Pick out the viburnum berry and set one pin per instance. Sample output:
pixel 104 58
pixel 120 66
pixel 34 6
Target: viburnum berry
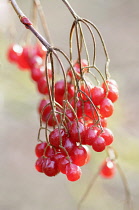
pixel 99 144
pixel 39 163
pixel 13 53
pixel 49 167
pixel 77 132
pixel 73 172
pixel 23 60
pixel 90 136
pixel 107 135
pixel 54 137
pixel 49 152
pixel 68 145
pixel 113 93
pixel 37 73
pixel 39 149
pixel 79 155
pixel 106 108
pixel 97 95
pixel 58 156
pixel 103 122
pixel 108 169
pixel 42 85
pixel 62 164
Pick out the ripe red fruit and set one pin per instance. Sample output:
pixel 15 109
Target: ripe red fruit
pixel 39 149
pixel 23 60
pixel 50 152
pixel 90 111
pixel 58 156
pixel 52 121
pixel 88 154
pixel 106 108
pixel 37 73
pixel 110 81
pixel 107 135
pixel 97 95
pixel 73 172
pixel 113 93
pixel 77 132
pixel 50 167
pixel 99 144
pixel 54 137
pixel 79 155
pixel 60 88
pixel 42 85
pixel 70 114
pixel 46 110
pixel 90 136
pixel 14 52
pixel 39 163
pixel 108 169
pixel 68 145
pixel 35 61
pixel 62 164
pixel 86 88
pixel 40 50
pixel 103 122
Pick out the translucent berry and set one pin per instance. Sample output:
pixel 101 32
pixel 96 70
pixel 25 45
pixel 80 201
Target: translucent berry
pixel 79 155
pixel 39 149
pixel 39 163
pixel 54 137
pixel 107 135
pixel 106 108
pixel 99 144
pixel 50 167
pixel 73 172
pixel 108 169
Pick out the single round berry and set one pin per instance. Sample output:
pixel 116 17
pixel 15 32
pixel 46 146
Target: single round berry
pixel 99 144
pixel 79 155
pixel 106 108
pixel 77 132
pixel 14 52
pixel 42 85
pixel 90 136
pixel 50 167
pixel 36 73
pixel 39 149
pixel 73 172
pixel 108 169
pixel 107 135
pixel 68 145
pixel 58 156
pixel 56 136
pixel 97 95
pixel 39 163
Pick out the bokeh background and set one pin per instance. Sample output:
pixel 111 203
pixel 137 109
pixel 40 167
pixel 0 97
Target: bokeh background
pixel 21 187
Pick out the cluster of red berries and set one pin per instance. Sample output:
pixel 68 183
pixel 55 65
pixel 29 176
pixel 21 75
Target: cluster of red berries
pixel 31 58
pixel 74 126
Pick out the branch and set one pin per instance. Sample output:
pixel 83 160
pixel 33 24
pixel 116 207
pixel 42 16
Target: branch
pixel 29 25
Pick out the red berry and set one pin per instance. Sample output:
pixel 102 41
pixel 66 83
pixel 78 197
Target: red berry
pixel 70 114
pixel 58 156
pixel 49 152
pixel 54 137
pixel 90 135
pixel 77 131
pixel 46 110
pixel 68 145
pixel 39 163
pixel 91 111
pixel 107 135
pixel 99 144
pixel 110 81
pixel 50 167
pixel 97 95
pixel 52 121
pixel 108 169
pixel 106 108
pixel 73 172
pixel 37 73
pixel 42 85
pixel 40 50
pixel 35 61
pixel 103 122
pixel 14 52
pixel 88 153
pixel 79 155
pixel 62 164
pixel 39 149
pixel 23 60
pixel 113 93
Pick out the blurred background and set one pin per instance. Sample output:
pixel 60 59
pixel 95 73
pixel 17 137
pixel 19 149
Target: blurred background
pixel 21 187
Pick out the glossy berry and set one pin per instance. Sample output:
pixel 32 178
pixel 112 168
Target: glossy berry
pixel 106 108
pixel 39 163
pixel 58 156
pixel 39 149
pixel 107 135
pixel 23 60
pixel 108 169
pixel 97 95
pixel 73 172
pixel 90 136
pixel 79 155
pixel 68 145
pixel 14 52
pixel 54 137
pixel 37 73
pixel 50 167
pixel 42 85
pixel 46 111
pixel 99 144
pixel 62 164
pixel 113 93
pixel 50 152
pixel 77 132
pixel 103 122
pixel 60 88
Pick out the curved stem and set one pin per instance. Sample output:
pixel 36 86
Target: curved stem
pixel 70 9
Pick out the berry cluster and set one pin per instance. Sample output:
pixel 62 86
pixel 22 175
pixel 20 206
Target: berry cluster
pixel 78 117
